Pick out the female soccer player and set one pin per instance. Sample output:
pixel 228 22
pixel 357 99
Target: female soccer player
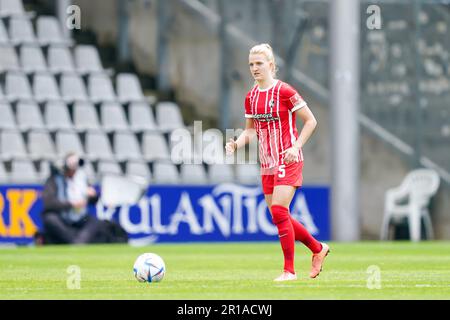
pixel 271 107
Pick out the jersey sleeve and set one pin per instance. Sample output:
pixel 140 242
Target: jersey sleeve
pixel 293 99
pixel 248 109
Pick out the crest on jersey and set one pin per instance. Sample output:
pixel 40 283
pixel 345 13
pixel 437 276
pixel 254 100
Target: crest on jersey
pixel 271 103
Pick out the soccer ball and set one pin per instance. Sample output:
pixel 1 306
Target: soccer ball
pixel 149 267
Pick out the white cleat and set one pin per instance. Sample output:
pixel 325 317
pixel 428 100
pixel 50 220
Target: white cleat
pixel 286 276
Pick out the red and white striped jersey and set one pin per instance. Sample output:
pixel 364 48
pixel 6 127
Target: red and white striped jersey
pixel 273 114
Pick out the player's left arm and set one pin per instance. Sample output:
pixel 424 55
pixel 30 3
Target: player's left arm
pixel 309 125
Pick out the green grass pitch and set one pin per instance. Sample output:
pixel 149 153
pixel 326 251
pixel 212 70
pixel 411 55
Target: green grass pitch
pixel 229 271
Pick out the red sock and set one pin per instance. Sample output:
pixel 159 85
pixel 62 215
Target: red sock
pixel 281 218
pixel 301 234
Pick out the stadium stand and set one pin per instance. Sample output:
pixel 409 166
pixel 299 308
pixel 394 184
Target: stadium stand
pixel 56 96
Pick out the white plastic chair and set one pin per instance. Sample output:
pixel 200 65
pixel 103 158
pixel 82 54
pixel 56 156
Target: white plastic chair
pixel 411 200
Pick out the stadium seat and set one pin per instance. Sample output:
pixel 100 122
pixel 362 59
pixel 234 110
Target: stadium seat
pixel 411 200
pixel 4 176
pixel 68 141
pixel 8 59
pixel 85 117
pixel 40 145
pixel 21 31
pixel 100 88
pixel 138 168
pixel 4 38
pixel 7 120
pixel 23 171
pixel 165 173
pixel 32 59
pixel 193 174
pixel 168 116
pixel 87 59
pixel 129 88
pixel 141 117
pixel 44 170
pixel 17 87
pixel 98 146
pixel 29 116
pixel 248 174
pixel 113 117
pixel 73 88
pixel 108 166
pixel 182 147
pixel 220 173
pixel 154 147
pixel 57 116
pixel 11 8
pixel 45 88
pixel 49 31
pixel 12 145
pixel 60 60
pixel 126 146
pixel 212 146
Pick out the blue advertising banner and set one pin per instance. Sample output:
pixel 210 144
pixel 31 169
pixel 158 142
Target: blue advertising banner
pixel 224 212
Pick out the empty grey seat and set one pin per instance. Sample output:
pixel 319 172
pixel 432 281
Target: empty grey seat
pixel 73 88
pixel 57 116
pixel 98 146
pixel 168 116
pixel 45 88
pixel 23 171
pixel 100 88
pixel 108 166
pixel 141 117
pixel 44 170
pixel 85 117
pixel 32 59
pixel 126 146
pixel 60 60
pixel 9 8
pixel 4 176
pixel 12 145
pixel 220 173
pixel 4 38
pixel 87 59
pixel 7 120
pixel 182 147
pixel 21 31
pixel 154 147
pixel 193 174
pixel 17 87
pixel 40 145
pixel 8 59
pixel 138 168
pixel 29 116
pixel 129 88
pixel 165 173
pixel 68 141
pixel 212 146
pixel 113 117
pixel 248 174
pixel 49 31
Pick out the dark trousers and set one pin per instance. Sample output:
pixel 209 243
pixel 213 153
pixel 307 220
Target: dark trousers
pixel 59 231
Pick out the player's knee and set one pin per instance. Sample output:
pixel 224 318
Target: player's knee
pixel 279 213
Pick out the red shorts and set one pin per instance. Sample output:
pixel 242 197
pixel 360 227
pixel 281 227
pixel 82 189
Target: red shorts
pixel 287 175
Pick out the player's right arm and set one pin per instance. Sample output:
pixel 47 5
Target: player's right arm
pixel 245 137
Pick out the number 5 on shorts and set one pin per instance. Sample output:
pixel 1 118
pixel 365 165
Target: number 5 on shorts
pixel 282 171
